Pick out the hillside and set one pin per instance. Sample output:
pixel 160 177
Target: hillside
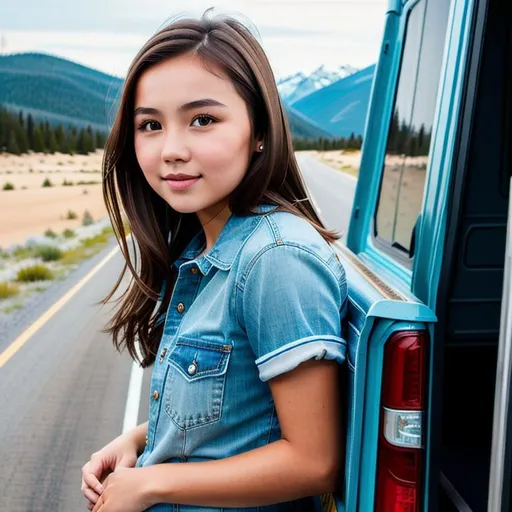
pixel 340 108
pixel 57 90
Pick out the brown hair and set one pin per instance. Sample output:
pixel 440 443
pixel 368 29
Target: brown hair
pixel 272 177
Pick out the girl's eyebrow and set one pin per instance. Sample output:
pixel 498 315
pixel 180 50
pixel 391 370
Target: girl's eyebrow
pixel 206 102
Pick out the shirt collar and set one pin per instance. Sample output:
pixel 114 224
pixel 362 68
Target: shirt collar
pixel 235 232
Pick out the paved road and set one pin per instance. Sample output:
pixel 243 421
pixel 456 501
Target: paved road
pixel 63 394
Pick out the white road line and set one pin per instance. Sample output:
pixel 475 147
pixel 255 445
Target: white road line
pixel 315 205
pixel 47 315
pixel 131 412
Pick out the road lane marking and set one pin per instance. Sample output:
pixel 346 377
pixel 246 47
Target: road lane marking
pixel 315 205
pixel 131 411
pixel 28 333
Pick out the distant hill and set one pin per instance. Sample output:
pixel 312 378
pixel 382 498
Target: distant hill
pixel 340 108
pixel 58 90
pixel 304 127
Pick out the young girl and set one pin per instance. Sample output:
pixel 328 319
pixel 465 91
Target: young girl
pixel 246 340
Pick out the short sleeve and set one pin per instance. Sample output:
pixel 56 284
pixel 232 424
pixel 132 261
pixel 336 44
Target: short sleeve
pixel 292 308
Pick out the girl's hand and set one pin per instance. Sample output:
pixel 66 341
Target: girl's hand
pixel 124 491
pixel 120 453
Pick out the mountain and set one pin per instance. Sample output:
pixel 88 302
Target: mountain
pixel 297 86
pixel 60 91
pixel 341 107
pixel 303 127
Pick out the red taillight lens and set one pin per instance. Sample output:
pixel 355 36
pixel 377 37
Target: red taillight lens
pixel 404 371
pixel 400 456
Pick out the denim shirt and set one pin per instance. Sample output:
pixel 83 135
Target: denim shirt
pixel 270 294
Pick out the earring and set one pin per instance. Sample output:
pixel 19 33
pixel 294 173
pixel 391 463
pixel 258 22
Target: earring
pixel 261 147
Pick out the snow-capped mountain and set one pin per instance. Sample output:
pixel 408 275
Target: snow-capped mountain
pixel 299 85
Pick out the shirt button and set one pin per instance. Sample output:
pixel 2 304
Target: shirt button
pixel 147 440
pixel 181 307
pixel 194 270
pixel 155 394
pixel 192 369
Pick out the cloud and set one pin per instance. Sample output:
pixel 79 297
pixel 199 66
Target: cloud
pixel 106 34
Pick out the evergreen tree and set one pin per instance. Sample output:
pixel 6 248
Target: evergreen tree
pixel 4 133
pixel 60 138
pixel 72 142
pixel 351 144
pixel 52 144
pixel 393 133
pixel 46 134
pixel 84 142
pixel 100 139
pixel 21 120
pixel 30 131
pixel 91 139
pixel 402 137
pixel 38 140
pixel 12 144
pixel 21 137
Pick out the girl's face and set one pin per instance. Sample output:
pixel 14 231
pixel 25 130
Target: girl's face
pixel 189 121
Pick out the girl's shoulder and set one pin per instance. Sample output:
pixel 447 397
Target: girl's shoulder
pixel 289 237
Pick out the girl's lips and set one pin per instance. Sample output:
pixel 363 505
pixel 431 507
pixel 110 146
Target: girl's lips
pixel 181 184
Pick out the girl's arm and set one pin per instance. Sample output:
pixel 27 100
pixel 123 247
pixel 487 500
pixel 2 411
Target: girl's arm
pixel 306 461
pixel 138 435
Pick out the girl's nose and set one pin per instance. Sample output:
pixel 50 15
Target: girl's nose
pixel 175 149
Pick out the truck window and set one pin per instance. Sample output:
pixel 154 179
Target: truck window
pixel 408 144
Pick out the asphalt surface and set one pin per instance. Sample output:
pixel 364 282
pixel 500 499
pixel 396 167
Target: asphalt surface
pixel 63 393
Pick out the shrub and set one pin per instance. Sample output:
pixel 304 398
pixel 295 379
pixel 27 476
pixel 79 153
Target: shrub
pixel 87 219
pixel 8 186
pixel 50 233
pixel 71 215
pixel 66 183
pixel 8 290
pixel 49 253
pixel 68 233
pixel 22 252
pixel 34 273
pixel 89 182
pixel 47 183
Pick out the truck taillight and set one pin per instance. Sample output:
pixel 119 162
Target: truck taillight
pixel 400 456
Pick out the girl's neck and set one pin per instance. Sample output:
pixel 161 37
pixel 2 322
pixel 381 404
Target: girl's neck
pixel 212 221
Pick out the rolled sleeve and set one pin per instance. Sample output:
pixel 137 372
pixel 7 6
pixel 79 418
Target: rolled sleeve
pixel 292 308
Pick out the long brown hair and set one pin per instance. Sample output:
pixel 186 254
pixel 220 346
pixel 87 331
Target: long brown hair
pixel 161 233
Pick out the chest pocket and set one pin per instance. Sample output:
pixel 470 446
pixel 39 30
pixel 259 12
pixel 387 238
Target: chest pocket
pixel 194 387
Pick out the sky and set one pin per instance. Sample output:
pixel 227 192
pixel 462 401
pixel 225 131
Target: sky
pixel 297 35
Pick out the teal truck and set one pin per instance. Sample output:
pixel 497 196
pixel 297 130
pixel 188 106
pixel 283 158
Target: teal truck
pixel 427 261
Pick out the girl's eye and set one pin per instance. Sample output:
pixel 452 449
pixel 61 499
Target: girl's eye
pixel 143 126
pixel 203 121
